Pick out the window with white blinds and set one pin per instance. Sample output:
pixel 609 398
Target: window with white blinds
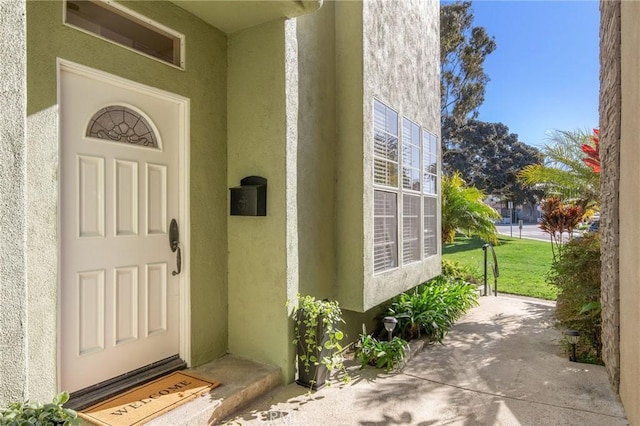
pixel 385 146
pixel 405 190
pixel 410 228
pixel 410 155
pixel 430 158
pixel 430 189
pixel 430 226
pixel 385 223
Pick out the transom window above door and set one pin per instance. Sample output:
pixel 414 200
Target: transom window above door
pixel 122 124
pixel 111 21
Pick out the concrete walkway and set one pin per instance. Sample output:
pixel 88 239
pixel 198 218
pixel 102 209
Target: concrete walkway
pixel 500 365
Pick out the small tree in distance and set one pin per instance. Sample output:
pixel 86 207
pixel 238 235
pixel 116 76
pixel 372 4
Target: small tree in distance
pixel 558 219
pixel 464 210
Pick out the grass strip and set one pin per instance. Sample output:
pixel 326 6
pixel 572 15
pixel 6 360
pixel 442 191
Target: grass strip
pixel 523 264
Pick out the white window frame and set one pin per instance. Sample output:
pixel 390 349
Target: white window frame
pixel 424 192
pixel 138 19
pixel 379 187
pixel 410 192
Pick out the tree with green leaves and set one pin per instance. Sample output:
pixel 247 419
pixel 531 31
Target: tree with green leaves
pixel 463 49
pixel 488 157
pixel 564 173
pixel 464 210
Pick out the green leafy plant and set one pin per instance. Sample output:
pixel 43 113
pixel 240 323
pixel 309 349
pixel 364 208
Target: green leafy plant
pixel 381 354
pixel 37 414
pixel 460 272
pixel 464 210
pixel 432 308
pixel 316 335
pixel 576 274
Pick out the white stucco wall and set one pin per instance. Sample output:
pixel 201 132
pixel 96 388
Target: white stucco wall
pixel 401 68
pixel 389 51
pixel 13 316
pixel 42 244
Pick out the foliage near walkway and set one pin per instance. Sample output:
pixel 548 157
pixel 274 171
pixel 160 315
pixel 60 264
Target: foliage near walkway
pixel 576 273
pixel 432 308
pixel 565 173
pixel 464 210
pixel 523 264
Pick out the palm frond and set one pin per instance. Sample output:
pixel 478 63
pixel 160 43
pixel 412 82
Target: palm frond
pixel 464 210
pixel 564 173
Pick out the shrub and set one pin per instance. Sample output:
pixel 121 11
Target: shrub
pixel 432 308
pixel 460 272
pixel 381 354
pixel 35 413
pixel 576 274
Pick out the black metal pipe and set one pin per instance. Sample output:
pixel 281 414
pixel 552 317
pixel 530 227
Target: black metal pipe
pixel 484 248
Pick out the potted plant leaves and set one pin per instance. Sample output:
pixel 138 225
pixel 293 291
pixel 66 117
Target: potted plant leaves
pixel 317 340
pixel 36 413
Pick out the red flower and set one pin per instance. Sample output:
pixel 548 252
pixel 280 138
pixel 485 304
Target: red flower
pixel 593 152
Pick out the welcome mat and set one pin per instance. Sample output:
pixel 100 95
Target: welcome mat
pixel 139 405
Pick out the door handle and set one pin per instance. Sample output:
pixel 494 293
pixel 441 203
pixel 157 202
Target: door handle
pixel 174 243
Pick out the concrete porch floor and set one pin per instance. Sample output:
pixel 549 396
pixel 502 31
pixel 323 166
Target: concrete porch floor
pixel 501 364
pixel 241 381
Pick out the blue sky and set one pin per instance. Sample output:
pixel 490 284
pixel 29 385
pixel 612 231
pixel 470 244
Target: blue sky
pixel 544 72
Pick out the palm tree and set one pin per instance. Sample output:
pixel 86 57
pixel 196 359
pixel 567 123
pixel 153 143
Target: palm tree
pixel 464 210
pixel 565 173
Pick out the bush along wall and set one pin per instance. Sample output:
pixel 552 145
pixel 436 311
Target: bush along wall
pixel 576 274
pixel 430 309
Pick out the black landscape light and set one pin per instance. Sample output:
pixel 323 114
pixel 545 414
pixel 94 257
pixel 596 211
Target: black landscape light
pixel 390 325
pixel 572 337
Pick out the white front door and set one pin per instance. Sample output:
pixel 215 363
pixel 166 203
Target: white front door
pixel 120 303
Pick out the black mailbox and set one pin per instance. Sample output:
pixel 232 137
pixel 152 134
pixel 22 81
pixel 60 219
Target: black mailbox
pixel 250 198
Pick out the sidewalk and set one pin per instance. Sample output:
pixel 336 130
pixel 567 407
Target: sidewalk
pixel 500 365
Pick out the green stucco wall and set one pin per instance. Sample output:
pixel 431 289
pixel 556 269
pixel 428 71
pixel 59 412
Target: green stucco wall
pixel 262 127
pixel 317 142
pixel 349 53
pixel 350 231
pixel 204 83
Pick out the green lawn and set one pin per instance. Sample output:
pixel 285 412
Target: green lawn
pixel 523 264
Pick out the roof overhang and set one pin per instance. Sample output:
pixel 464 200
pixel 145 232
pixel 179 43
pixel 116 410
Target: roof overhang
pixel 230 16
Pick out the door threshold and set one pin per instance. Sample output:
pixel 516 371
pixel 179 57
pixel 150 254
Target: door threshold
pixel 99 392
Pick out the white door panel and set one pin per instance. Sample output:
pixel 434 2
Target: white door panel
pixel 119 302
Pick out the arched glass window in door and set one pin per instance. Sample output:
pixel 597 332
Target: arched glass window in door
pixel 121 124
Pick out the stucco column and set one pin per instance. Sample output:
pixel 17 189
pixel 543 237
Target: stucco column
pixel 262 140
pixel 13 104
